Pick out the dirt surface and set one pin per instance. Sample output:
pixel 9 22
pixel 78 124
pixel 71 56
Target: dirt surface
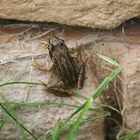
pixel 23 44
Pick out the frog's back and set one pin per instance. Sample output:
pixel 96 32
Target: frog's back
pixel 65 64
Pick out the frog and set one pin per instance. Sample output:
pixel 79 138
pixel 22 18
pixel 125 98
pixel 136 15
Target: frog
pixel 70 74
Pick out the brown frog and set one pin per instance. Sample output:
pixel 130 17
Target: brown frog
pixel 69 74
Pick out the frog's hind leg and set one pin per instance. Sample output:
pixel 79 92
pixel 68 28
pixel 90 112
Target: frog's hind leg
pixel 81 75
pixel 81 70
pixel 41 67
pixel 59 89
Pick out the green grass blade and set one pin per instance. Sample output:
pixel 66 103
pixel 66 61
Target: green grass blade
pixel 17 104
pixel 3 122
pixel 56 131
pixel 65 125
pixel 105 83
pixel 109 60
pixel 108 79
pixel 135 134
pixel 76 125
pixel 81 96
pixel 17 122
pixel 75 112
pixel 129 135
pixel 27 83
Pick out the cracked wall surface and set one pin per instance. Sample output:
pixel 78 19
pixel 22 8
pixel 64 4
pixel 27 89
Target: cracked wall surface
pixel 105 14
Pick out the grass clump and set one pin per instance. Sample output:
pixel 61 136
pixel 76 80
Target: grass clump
pixel 80 110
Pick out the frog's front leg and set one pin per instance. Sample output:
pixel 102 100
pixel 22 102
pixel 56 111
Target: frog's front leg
pixel 59 90
pixel 42 67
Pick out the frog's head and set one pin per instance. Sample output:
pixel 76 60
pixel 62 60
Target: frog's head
pixel 54 45
pixel 53 40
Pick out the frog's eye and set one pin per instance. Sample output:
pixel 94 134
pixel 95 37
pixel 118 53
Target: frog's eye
pixel 61 44
pixel 62 40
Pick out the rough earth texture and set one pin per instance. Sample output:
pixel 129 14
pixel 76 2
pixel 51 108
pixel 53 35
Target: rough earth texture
pixel 105 14
pixel 19 48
